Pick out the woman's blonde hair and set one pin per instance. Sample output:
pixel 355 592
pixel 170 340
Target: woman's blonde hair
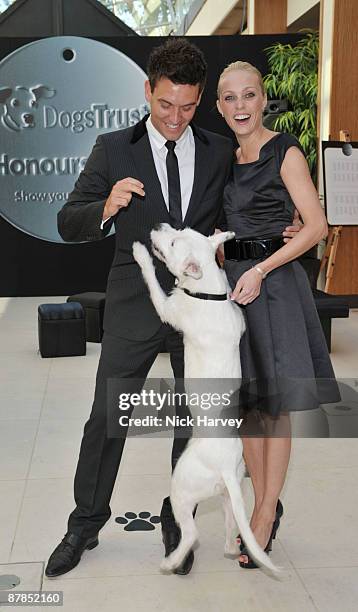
pixel 241 66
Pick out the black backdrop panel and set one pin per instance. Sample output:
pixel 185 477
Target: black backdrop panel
pixel 30 266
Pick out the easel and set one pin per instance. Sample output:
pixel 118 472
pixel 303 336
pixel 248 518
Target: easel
pixel 334 235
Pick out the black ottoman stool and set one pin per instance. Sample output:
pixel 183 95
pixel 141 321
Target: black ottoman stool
pixel 93 306
pixel 62 331
pixel 329 307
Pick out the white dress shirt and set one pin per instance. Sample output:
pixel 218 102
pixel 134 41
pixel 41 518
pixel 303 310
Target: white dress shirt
pixel 185 152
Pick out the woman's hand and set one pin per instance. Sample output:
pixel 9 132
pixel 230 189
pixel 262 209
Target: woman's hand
pixel 247 287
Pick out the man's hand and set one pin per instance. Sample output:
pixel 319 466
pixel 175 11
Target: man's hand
pixel 121 195
pixel 292 230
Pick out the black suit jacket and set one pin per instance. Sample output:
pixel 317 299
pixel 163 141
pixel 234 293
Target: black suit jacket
pixel 129 312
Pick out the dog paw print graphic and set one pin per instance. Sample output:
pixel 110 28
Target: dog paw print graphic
pixel 144 521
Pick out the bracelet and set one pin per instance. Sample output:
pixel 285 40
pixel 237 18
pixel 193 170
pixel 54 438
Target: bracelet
pixel 260 271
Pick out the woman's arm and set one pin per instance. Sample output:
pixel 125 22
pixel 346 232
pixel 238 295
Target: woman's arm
pixel 296 177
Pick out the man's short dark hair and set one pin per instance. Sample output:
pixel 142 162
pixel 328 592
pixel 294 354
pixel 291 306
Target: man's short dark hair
pixel 178 60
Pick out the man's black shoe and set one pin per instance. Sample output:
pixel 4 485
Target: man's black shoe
pixel 171 538
pixel 68 554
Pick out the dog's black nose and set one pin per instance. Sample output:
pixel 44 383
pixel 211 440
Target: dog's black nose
pixel 28 118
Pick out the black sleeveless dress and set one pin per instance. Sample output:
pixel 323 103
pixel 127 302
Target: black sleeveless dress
pixel 284 357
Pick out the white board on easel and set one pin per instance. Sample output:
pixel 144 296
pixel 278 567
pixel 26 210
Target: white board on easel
pixel 340 183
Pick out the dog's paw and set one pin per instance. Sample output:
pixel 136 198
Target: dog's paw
pixel 141 254
pixel 232 551
pixel 166 566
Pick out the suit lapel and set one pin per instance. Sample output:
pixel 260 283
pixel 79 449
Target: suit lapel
pixel 200 173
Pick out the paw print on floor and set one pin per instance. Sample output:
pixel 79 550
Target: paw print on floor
pixel 138 522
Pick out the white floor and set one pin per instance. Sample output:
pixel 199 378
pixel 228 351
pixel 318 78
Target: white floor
pixel 44 404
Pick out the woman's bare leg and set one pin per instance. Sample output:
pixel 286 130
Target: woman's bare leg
pixel 254 460
pixel 269 458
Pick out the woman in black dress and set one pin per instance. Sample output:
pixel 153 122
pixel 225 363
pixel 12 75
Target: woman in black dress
pixel 283 351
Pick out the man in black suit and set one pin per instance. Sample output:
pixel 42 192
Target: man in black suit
pixel 164 169
pixel 131 179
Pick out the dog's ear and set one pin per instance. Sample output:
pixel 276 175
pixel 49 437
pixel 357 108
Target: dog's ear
pixel 5 93
pixel 220 237
pixel 192 268
pixel 41 91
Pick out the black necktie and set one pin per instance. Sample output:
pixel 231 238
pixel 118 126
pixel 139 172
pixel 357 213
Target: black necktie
pixel 174 192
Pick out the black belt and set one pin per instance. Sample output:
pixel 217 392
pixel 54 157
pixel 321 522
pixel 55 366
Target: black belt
pixel 252 248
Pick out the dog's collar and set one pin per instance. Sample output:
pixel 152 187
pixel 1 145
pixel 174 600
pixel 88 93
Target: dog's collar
pixel 218 297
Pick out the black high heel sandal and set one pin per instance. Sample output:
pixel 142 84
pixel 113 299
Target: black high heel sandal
pixel 243 550
pixel 279 513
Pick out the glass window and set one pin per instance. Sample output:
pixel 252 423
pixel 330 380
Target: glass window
pixel 4 4
pixel 146 17
pixel 150 17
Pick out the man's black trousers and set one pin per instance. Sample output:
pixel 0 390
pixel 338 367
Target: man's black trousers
pixel 100 456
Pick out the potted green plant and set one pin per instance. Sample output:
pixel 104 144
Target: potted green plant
pixel 294 76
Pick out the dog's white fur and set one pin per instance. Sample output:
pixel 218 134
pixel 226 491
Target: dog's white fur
pixel 212 332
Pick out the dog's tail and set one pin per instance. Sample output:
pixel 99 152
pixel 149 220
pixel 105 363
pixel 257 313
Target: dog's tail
pixel 237 501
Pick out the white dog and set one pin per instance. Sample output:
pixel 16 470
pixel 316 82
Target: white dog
pixel 212 329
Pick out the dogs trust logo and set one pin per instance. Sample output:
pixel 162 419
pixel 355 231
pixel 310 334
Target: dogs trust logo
pixel 57 95
pixel 21 105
